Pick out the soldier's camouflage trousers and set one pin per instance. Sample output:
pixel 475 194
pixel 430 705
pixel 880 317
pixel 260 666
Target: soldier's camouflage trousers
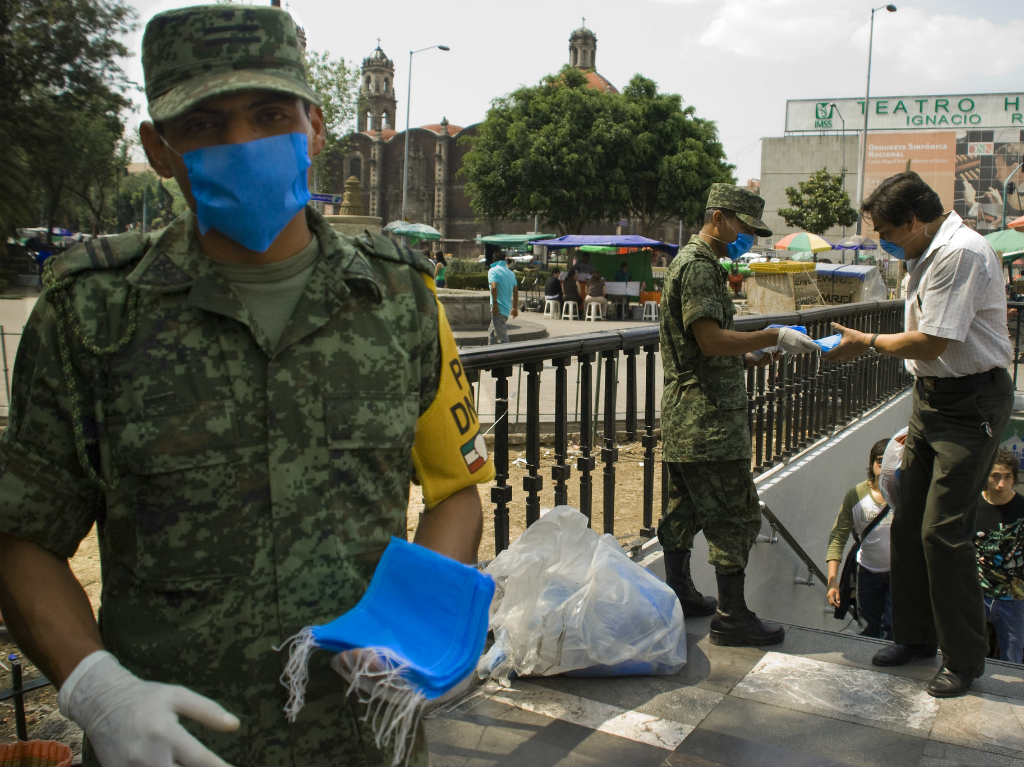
pixel 719 498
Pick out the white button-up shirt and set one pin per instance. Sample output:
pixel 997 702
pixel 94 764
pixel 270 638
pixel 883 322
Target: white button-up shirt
pixel 956 291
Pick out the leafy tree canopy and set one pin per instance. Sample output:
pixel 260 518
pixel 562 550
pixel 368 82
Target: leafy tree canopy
pixel 63 93
pixel 572 154
pixel 674 156
pixel 337 85
pixel 818 203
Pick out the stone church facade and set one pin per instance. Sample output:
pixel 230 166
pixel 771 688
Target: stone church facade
pixel 436 192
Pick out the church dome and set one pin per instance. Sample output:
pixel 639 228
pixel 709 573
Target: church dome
pixel 378 59
pixel 599 82
pixel 582 33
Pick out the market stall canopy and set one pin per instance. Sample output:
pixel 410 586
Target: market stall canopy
pixel 857 242
pixel 513 240
pixel 396 224
pixel 607 240
pixel 859 271
pixel 1006 240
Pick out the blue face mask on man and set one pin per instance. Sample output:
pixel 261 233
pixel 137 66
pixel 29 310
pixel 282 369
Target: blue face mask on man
pixel 894 250
pixel 742 244
pixel 249 191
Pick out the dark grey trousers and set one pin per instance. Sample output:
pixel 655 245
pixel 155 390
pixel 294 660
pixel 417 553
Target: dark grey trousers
pixel 953 435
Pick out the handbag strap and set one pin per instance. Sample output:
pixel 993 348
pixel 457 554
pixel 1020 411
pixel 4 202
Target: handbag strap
pixel 871 525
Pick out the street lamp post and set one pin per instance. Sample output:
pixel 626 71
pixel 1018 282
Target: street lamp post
pixel 1005 182
pixel 842 170
pixel 867 95
pixel 408 101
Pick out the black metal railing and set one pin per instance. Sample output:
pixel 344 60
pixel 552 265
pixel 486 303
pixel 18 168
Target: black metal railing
pixel 792 402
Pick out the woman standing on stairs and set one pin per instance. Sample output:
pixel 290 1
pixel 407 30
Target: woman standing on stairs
pixel 861 506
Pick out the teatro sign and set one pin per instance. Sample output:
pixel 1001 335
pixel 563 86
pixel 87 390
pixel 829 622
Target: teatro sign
pixel 981 110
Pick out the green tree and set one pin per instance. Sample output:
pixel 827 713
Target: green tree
pixel 818 203
pixel 337 84
pixel 552 150
pixel 92 176
pixel 571 154
pixel 146 200
pixel 673 158
pixel 59 65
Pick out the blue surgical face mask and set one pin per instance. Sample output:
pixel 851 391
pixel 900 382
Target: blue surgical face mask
pixel 894 250
pixel 740 245
pixel 249 191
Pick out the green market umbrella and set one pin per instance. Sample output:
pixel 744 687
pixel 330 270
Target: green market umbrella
pixel 391 226
pixel 1006 240
pixel 417 232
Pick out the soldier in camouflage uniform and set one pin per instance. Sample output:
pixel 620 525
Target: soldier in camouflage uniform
pixel 704 417
pixel 241 426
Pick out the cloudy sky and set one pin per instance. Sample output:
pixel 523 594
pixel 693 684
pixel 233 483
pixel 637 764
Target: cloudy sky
pixel 735 61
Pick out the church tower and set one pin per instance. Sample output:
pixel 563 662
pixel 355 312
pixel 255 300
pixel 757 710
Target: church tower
pixel 583 48
pixel 376 103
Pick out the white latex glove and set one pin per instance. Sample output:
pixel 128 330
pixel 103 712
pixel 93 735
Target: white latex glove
pixel 133 722
pixel 792 341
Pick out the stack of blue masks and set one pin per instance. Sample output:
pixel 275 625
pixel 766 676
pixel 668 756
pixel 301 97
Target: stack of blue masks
pixel 828 343
pixel 429 612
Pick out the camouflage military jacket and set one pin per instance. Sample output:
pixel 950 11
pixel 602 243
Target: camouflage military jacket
pixel 704 401
pixel 240 492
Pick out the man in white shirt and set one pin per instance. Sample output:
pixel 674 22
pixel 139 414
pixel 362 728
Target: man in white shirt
pixel 956 345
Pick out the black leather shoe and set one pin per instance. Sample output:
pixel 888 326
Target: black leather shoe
pixel 950 684
pixel 898 654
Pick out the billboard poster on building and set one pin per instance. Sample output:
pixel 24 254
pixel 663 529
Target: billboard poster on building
pixel 966 168
pixel 931 154
pixel 984 160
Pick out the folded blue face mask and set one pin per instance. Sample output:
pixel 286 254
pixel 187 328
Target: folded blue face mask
pixel 894 250
pixel 250 191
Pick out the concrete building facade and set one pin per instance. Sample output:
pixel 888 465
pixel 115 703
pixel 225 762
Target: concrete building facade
pixel 968 147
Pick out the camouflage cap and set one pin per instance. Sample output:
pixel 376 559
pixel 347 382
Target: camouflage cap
pixel 191 54
pixel 745 204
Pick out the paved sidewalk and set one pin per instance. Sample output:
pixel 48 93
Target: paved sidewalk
pixel 813 700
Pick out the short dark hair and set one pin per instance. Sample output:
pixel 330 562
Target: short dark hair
pixel 711 212
pixel 1005 457
pixel 877 451
pixel 901 197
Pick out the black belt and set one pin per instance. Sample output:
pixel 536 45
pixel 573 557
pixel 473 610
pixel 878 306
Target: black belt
pixel 961 384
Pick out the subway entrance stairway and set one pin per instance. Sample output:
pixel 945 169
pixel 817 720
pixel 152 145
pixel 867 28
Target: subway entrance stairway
pixel 813 700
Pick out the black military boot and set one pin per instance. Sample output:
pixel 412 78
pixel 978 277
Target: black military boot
pixel 734 624
pixel 677 575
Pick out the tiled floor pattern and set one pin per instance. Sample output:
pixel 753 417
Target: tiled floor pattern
pixel 815 700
